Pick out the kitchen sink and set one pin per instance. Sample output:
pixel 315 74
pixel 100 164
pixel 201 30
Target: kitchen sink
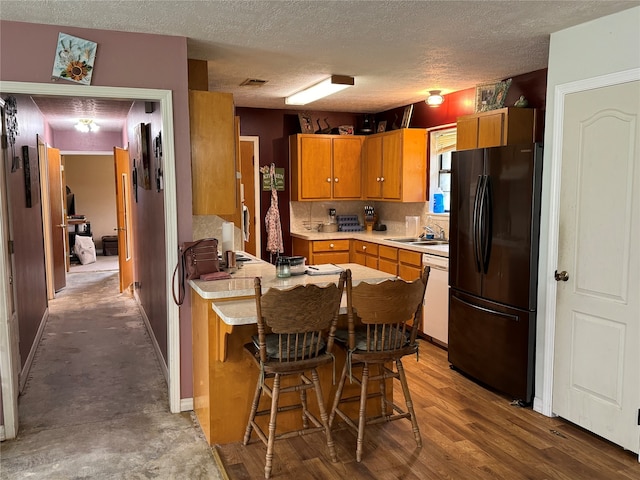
pixel 418 241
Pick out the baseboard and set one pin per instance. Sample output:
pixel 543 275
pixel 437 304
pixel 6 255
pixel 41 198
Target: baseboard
pixel 2 435
pixel 186 404
pixel 154 341
pixel 24 373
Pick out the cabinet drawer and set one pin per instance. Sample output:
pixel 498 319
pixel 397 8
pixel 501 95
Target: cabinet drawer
pixel 331 246
pixel 366 247
pixel 330 257
pixel 409 257
pixel 390 253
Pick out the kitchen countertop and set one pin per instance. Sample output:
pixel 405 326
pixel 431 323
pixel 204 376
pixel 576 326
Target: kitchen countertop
pixel 380 238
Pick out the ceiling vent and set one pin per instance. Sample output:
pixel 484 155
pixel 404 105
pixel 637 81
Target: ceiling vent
pixel 253 82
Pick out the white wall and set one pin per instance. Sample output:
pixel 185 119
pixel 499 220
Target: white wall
pixel 607 45
pixel 92 180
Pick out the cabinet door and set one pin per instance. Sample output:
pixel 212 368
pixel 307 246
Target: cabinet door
pixel 347 167
pixel 392 166
pixel 467 133
pixel 213 153
pixel 315 167
pixel 373 167
pixel 490 130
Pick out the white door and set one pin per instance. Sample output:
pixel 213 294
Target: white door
pixel 596 379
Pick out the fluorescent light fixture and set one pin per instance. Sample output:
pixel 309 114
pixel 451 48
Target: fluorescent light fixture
pixel 86 124
pixel 434 99
pixel 331 85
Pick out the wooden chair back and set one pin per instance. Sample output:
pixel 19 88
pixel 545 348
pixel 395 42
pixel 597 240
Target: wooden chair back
pixel 303 318
pixel 389 312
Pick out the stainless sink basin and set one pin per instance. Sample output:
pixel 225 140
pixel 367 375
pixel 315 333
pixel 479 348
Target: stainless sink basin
pixel 418 241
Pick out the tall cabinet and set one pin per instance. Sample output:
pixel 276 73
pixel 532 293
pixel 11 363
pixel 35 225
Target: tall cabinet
pixel 213 153
pixel 325 167
pixel 395 166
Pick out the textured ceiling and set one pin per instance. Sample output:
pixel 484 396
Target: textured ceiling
pixel 397 50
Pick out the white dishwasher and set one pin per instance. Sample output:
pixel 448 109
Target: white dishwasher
pixel 435 320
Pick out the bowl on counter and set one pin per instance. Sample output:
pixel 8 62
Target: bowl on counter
pixel 297 265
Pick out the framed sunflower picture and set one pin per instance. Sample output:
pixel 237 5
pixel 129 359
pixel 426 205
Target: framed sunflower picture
pixel 74 59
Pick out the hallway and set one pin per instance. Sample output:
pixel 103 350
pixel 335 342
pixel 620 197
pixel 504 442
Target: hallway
pixel 95 404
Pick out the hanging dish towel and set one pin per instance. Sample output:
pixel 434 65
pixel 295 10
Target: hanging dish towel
pixel 272 220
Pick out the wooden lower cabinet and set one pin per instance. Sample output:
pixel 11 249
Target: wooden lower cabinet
pixel 388 259
pixel 409 265
pixel 365 253
pixel 321 251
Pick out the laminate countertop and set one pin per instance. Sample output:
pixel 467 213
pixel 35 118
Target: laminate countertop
pixel 233 300
pixel 381 238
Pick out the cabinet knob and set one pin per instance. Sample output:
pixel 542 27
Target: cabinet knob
pixel 364 247
pixel 382 179
pixel 328 179
pixel 331 245
pixel 377 179
pixel 335 180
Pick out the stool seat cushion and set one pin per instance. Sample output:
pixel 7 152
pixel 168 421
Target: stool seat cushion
pixel 361 339
pixel 273 350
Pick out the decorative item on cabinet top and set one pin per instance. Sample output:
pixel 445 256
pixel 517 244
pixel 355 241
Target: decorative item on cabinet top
pixel 491 96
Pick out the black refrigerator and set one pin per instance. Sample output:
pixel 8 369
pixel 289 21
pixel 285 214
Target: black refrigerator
pixel 493 265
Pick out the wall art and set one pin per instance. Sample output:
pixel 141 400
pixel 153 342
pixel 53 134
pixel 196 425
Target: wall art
pixel 74 59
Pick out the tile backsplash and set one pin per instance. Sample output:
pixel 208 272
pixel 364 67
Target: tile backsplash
pixel 308 215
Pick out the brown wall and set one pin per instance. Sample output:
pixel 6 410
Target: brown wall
pixel 274 127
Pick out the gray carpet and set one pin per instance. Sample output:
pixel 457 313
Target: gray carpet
pixel 95 405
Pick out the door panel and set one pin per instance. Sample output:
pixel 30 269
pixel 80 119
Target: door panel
pixel 125 224
pixel 492 343
pixel 596 384
pixel 347 168
pixel 58 219
pixel 315 167
pixel 248 180
pixel 514 176
pixel 466 168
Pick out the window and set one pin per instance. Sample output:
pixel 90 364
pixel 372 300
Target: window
pixel 442 142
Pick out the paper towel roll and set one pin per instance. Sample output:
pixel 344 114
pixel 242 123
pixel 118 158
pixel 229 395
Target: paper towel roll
pixel 227 237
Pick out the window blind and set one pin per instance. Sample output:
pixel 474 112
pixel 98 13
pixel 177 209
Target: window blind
pixel 444 141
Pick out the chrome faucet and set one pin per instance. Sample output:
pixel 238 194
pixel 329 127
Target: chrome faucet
pixel 429 230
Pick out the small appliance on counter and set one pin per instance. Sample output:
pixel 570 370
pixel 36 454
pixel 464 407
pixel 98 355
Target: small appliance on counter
pixel 330 225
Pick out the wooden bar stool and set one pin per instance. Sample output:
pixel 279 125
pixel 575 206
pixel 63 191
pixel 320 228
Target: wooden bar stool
pixel 296 331
pixel 383 323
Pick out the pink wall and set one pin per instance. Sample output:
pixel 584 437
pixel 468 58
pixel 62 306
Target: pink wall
pixel 73 141
pixel 123 60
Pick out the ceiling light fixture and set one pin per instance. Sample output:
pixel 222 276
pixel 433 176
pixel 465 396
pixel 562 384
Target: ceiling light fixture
pixel 86 124
pixel 434 99
pixel 331 85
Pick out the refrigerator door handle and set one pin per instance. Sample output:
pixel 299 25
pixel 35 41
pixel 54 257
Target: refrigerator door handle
pixel 476 219
pixel 486 219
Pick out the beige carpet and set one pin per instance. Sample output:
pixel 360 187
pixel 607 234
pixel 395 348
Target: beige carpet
pixel 102 264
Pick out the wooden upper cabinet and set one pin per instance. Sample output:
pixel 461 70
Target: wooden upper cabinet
pixel 325 167
pixel 505 126
pixel 213 153
pixel 395 166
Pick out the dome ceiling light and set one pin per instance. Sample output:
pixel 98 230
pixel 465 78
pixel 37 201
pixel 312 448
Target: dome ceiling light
pixel 434 99
pixel 86 125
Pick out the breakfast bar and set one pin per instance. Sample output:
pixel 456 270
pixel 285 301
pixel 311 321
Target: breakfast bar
pixel 224 320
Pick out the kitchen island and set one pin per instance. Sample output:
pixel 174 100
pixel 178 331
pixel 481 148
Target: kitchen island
pixel 224 320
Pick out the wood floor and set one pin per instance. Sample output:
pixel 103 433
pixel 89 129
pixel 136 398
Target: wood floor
pixel 468 432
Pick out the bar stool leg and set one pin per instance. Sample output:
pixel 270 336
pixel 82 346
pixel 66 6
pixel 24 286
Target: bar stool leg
pixel 407 397
pixel 275 396
pixel 383 390
pixel 252 415
pixel 336 400
pixel 363 411
pixel 324 417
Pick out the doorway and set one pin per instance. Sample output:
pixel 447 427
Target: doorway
pixel 164 98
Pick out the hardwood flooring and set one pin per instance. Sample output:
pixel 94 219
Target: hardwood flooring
pixel 468 432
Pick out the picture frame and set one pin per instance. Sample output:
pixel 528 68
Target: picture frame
pixel 406 117
pixel 74 59
pixel 141 153
pixel 306 122
pixel 382 126
pixel 490 96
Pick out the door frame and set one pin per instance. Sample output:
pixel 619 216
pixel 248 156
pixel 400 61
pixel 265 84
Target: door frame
pixel 547 303
pixel 165 98
pixel 256 187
